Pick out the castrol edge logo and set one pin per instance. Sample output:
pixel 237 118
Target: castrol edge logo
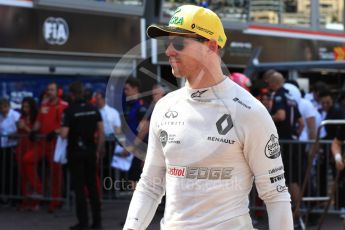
pixel 177 171
pixel 200 172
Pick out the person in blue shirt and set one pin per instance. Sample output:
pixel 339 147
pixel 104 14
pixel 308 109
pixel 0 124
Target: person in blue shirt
pixel 134 109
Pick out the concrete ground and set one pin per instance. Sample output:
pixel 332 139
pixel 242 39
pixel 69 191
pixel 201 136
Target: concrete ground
pixel 113 214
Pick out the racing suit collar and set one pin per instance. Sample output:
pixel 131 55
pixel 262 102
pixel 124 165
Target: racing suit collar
pixel 209 93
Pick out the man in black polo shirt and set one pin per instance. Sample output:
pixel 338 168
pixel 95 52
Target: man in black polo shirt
pixel 284 111
pixel 289 124
pixel 80 123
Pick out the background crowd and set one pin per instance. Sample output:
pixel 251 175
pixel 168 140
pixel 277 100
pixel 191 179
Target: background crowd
pixel 28 137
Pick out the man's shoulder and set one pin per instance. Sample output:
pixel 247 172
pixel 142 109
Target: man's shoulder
pixel 111 109
pixel 140 102
pixel 44 103
pixel 47 103
pixel 80 108
pixel 306 105
pixel 280 92
pixel 90 107
pixel 70 109
pixel 63 103
pixel 169 98
pixel 15 114
pixel 249 108
pixel 279 97
pixel 167 101
pixel 173 95
pixel 245 109
pixel 243 102
pixel 306 102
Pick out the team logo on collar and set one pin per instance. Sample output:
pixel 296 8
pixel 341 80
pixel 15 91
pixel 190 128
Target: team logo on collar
pixel 198 93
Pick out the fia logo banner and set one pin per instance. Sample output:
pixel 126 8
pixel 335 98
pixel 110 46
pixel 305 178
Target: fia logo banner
pixel 55 31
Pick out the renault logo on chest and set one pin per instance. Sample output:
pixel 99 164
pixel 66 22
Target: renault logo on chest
pixel 224 124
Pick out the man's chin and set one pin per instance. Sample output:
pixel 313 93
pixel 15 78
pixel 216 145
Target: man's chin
pixel 177 74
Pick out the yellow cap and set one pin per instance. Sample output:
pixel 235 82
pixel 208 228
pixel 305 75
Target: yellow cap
pixel 189 19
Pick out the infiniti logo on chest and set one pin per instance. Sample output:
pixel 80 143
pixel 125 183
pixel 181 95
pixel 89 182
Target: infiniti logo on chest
pixel 171 114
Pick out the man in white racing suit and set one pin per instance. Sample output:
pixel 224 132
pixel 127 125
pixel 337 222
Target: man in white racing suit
pixel 208 141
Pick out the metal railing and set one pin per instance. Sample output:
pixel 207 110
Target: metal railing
pixel 29 173
pixel 113 183
pixel 315 152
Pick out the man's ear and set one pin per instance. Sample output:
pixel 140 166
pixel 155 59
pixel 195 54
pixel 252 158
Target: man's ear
pixel 212 44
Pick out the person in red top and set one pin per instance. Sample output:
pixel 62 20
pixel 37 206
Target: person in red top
pixel 44 133
pixel 24 125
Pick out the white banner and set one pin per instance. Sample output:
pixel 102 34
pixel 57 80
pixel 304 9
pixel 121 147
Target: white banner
pixel 21 3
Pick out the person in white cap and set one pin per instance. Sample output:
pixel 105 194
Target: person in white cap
pixel 208 141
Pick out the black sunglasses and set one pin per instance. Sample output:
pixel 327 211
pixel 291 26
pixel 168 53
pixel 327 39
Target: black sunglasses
pixel 178 43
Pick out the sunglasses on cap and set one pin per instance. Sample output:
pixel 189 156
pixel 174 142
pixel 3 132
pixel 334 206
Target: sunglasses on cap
pixel 178 42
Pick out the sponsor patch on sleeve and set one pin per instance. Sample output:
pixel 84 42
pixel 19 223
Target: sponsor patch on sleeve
pixel 281 188
pixel 272 148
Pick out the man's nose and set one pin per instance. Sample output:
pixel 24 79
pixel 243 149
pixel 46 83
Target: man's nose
pixel 170 50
